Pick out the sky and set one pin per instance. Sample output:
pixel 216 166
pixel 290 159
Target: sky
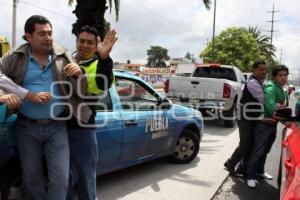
pixel 180 26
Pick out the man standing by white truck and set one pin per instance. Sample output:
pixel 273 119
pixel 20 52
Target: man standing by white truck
pixel 251 106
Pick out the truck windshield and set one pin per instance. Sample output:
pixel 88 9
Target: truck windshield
pixel 215 72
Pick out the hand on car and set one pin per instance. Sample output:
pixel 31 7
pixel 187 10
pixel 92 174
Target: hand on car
pixel 13 102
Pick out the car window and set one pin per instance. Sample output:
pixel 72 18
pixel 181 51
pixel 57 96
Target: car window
pixel 135 96
pixel 104 103
pixel 215 72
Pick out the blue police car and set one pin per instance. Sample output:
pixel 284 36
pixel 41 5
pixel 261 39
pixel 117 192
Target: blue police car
pixel 134 124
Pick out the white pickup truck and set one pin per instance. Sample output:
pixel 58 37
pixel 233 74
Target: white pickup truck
pixel 213 89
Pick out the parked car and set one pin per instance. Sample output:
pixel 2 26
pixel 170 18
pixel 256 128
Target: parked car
pixel 289 174
pixel 134 124
pixel 214 89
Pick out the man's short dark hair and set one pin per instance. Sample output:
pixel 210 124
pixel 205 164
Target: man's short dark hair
pixel 88 29
pixel 31 21
pixel 257 63
pixel 279 68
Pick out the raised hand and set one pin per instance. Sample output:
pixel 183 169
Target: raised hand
pixel 104 48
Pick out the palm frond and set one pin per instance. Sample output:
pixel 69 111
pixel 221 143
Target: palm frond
pixel 117 9
pixel 110 5
pixel 71 2
pixel 207 3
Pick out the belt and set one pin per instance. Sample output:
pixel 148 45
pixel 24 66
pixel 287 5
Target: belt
pixel 36 121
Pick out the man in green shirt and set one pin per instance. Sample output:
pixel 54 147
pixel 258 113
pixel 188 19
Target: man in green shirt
pixel 265 134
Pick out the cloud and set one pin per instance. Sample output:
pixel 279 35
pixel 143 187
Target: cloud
pixel 180 26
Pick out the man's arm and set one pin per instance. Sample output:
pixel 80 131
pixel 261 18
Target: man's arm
pixel 76 75
pixel 256 90
pixel 105 68
pixel 105 63
pixel 9 86
pixel 269 101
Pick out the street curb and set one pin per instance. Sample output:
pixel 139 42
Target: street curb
pixel 214 195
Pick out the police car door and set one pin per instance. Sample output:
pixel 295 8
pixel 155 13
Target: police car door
pixel 141 120
pixel 109 132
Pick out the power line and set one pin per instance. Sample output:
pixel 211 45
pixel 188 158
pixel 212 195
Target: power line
pixel 165 21
pixel 162 28
pixel 32 5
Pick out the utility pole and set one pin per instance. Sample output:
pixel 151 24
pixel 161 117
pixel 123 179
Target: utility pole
pixel 281 54
pixel 213 38
pixel 206 43
pixel 272 22
pixel 14 24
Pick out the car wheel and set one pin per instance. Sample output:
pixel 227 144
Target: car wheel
pixel 187 147
pixel 232 113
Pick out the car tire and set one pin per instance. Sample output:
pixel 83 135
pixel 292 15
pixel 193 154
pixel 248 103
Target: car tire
pixel 232 113
pixel 11 182
pixel 187 147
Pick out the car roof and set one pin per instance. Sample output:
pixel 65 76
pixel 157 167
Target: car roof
pixel 209 64
pixel 125 74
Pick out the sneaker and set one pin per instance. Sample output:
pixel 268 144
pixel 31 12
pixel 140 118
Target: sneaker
pixel 228 165
pixel 251 183
pixel 265 175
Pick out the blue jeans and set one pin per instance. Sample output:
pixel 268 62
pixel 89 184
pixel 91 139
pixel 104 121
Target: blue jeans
pixel 84 157
pixel 36 142
pixel 297 108
pixel 264 137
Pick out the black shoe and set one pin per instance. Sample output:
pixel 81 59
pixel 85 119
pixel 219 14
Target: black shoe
pixel 229 166
pixel 241 171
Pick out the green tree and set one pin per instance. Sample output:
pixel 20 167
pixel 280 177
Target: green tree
pixel 91 12
pixel 234 46
pixel 188 56
pixel 264 42
pixel 157 56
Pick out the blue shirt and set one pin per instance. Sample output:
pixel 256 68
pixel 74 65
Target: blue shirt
pixel 39 80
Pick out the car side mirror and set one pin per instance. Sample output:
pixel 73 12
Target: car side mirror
pixel 165 104
pixel 284 114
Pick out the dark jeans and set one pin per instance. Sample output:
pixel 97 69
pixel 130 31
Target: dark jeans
pixel 297 108
pixel 264 137
pixel 84 157
pixel 243 151
pixel 36 142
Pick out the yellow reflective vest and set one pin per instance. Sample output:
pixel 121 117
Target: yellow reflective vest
pixel 91 72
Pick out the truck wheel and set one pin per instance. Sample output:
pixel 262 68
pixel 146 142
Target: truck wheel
pixel 232 113
pixel 187 147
